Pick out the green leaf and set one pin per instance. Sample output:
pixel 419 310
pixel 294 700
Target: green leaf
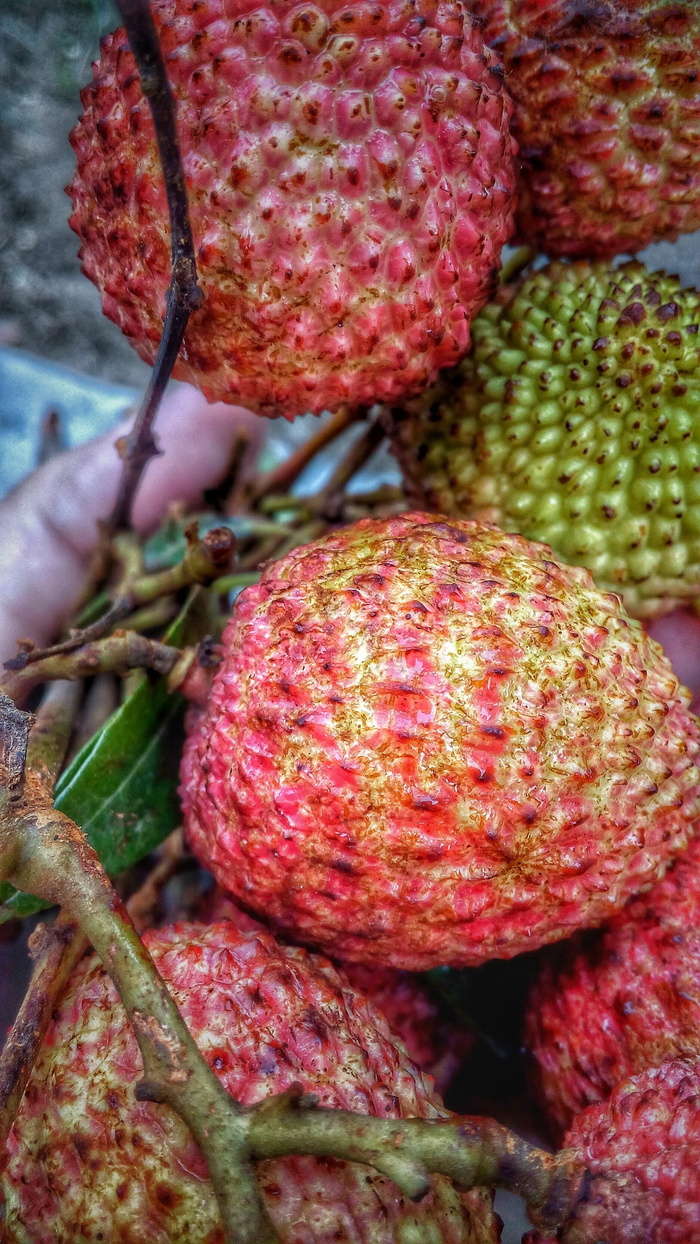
pixel 121 788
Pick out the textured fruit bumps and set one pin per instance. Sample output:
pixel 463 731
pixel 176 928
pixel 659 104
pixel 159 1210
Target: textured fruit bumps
pixel 88 1161
pixel 434 1043
pixel 576 421
pixel 429 743
pixel 607 119
pixel 642 1149
pixel 351 178
pixel 609 1006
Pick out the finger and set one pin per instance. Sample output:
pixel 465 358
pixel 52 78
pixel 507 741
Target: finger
pixel 49 523
pixel 679 635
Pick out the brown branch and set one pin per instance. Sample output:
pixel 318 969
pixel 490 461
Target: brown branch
pixel 329 499
pixel 143 904
pixel 56 951
pixel 14 736
pixel 121 651
pixel 44 853
pixel 184 294
pixel 51 439
pixel 205 559
pixel 281 478
pixel 328 502
pixel 100 702
pixel 472 1152
pixel 50 735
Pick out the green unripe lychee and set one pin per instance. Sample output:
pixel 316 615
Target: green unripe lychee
pixel 576 421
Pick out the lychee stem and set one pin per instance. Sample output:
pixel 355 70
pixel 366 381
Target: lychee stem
pixel 281 478
pixel 205 560
pixel 124 650
pixel 44 853
pixel 473 1152
pixel 52 729
pixel 184 294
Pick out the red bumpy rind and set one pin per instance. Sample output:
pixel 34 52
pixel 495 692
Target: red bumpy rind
pixel 430 743
pixel 607 119
pixel 351 180
pixel 642 1149
pixel 606 1008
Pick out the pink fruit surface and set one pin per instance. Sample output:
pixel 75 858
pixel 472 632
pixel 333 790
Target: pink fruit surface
pixel 350 174
pixel 434 1043
pixel 606 1008
pixel 642 1149
pixel 607 119
pixel 429 742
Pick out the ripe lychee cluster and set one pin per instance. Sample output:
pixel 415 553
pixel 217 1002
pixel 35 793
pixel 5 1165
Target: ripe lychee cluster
pixel 428 742
pixel 88 1160
pixel 607 119
pixel 575 421
pixel 350 175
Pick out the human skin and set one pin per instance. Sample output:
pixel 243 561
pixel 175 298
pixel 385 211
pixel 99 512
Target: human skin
pixel 49 521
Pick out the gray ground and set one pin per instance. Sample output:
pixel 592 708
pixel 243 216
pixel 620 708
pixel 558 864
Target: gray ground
pixel 46 305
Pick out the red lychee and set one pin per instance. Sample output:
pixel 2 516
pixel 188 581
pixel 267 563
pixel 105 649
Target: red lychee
pixel 642 1149
pixel 607 1007
pixel 607 119
pixel 429 742
pixel 434 1043
pixel 351 177
pixel 89 1161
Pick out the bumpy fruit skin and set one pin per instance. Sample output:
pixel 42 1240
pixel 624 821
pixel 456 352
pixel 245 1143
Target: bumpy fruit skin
pixel 576 421
pixel 642 1148
pixel 430 743
pixel 434 1043
pixel 351 178
pixel 607 119
pixel 88 1161
pixel 608 1007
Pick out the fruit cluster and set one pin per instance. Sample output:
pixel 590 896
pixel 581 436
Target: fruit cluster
pixel 431 739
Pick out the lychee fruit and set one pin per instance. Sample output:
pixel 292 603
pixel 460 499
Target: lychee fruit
pixel 351 177
pixel 430 743
pixel 436 1044
pixel 607 119
pixel 642 1150
pixel 575 421
pixel 606 1007
pixel 89 1161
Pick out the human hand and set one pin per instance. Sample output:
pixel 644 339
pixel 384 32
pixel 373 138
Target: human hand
pixel 49 522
